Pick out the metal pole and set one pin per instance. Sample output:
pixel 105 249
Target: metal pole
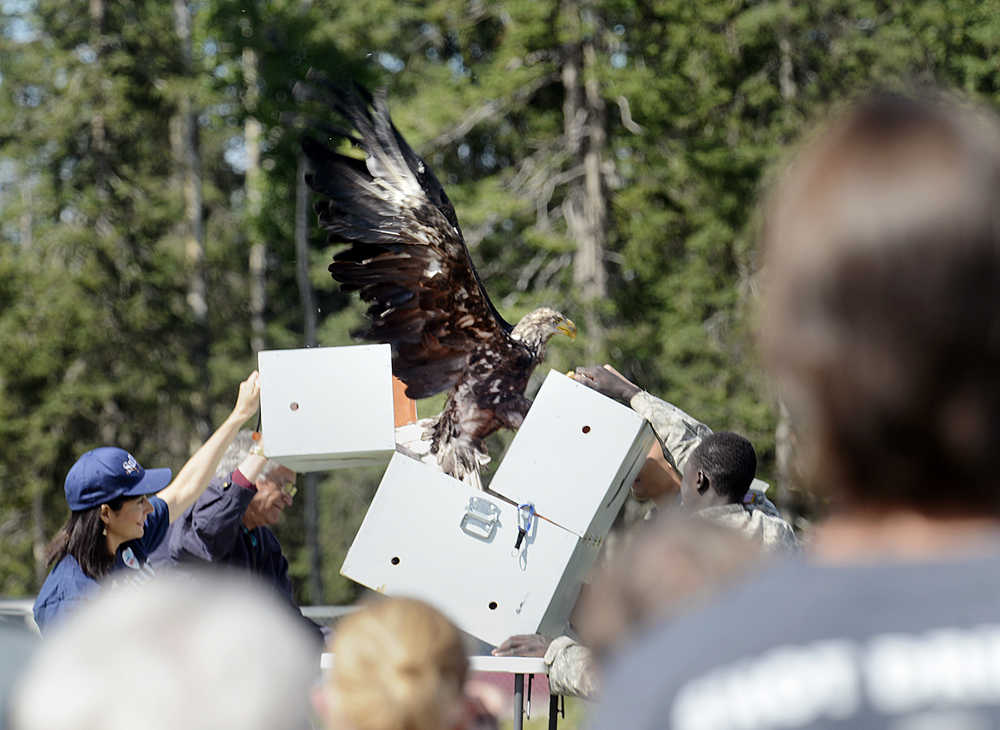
pixel 518 701
pixel 553 711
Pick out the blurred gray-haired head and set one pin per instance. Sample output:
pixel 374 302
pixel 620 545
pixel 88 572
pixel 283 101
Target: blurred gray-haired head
pixel 238 450
pixel 179 651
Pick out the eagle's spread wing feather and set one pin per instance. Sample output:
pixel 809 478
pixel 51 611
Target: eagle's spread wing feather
pixel 407 257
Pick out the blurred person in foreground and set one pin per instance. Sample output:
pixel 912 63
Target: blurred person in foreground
pixel 199 653
pixel 17 644
pixel 399 664
pixel 119 514
pixel 673 566
pixel 230 523
pixel 881 325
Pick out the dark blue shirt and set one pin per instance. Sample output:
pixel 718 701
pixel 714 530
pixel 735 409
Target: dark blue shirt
pixel 67 585
pixel 871 645
pixel 211 532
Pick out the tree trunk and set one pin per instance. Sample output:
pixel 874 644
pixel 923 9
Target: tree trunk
pixel 784 449
pixel 97 124
pixel 255 198
pixel 316 593
pixel 798 503
pixel 27 220
pixel 586 207
pixel 786 71
pixel 194 247
pixel 188 156
pixel 306 296
pixel 589 272
pixel 38 541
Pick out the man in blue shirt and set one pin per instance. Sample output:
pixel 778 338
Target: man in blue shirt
pixel 229 525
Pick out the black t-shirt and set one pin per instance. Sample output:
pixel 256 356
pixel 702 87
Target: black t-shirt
pixel 900 645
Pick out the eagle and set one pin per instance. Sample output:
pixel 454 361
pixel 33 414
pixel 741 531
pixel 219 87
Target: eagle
pixel 406 257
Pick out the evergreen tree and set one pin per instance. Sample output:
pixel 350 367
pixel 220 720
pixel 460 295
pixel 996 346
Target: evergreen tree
pixel 605 157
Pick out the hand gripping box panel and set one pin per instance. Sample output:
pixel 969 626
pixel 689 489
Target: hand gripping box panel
pixel 428 535
pixel 327 407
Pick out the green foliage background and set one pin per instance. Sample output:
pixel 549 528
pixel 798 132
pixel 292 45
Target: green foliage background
pixel 99 345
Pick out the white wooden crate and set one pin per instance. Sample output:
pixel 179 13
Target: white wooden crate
pixel 574 459
pixel 575 456
pixel 327 407
pixel 420 539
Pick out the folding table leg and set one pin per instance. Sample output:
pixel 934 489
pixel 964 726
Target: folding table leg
pixel 518 701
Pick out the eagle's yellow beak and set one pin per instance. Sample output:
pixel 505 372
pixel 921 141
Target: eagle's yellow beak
pixel 567 328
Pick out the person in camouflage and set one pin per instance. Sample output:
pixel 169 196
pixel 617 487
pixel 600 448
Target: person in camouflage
pixel 571 665
pixel 714 486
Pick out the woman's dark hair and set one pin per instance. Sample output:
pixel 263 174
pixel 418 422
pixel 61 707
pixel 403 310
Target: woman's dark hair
pixel 82 537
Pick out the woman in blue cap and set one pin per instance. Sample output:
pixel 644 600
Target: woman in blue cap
pixel 119 513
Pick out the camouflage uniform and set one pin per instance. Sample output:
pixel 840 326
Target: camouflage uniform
pixel 679 433
pixel 757 517
pixel 771 532
pixel 572 670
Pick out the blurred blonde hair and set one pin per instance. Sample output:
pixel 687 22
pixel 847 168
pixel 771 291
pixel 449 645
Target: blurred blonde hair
pixel 399 664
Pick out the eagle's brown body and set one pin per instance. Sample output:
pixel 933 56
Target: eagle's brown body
pixel 408 259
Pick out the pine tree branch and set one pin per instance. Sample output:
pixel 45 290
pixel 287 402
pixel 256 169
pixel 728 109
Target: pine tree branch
pixel 487 110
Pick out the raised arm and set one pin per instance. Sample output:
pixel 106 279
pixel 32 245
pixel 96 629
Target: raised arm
pixel 195 475
pixel 678 432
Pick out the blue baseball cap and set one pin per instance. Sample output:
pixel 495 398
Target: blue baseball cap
pixel 107 473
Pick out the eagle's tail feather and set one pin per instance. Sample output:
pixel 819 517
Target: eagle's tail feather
pixel 461 460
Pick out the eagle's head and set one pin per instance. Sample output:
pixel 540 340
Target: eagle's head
pixel 535 328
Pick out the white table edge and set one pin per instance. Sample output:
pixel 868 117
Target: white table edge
pixel 505 664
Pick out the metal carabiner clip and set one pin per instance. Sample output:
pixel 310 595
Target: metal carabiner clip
pixel 525 515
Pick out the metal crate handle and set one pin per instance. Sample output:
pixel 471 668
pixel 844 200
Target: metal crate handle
pixel 480 519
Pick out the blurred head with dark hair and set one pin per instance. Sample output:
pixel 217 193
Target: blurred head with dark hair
pixel 719 471
pixel 677 564
pixel 881 321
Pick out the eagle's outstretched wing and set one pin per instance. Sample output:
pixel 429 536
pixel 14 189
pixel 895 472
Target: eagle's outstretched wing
pixel 407 257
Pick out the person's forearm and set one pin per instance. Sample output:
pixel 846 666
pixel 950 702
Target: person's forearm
pixel 679 432
pixel 195 475
pixel 572 669
pixel 252 466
